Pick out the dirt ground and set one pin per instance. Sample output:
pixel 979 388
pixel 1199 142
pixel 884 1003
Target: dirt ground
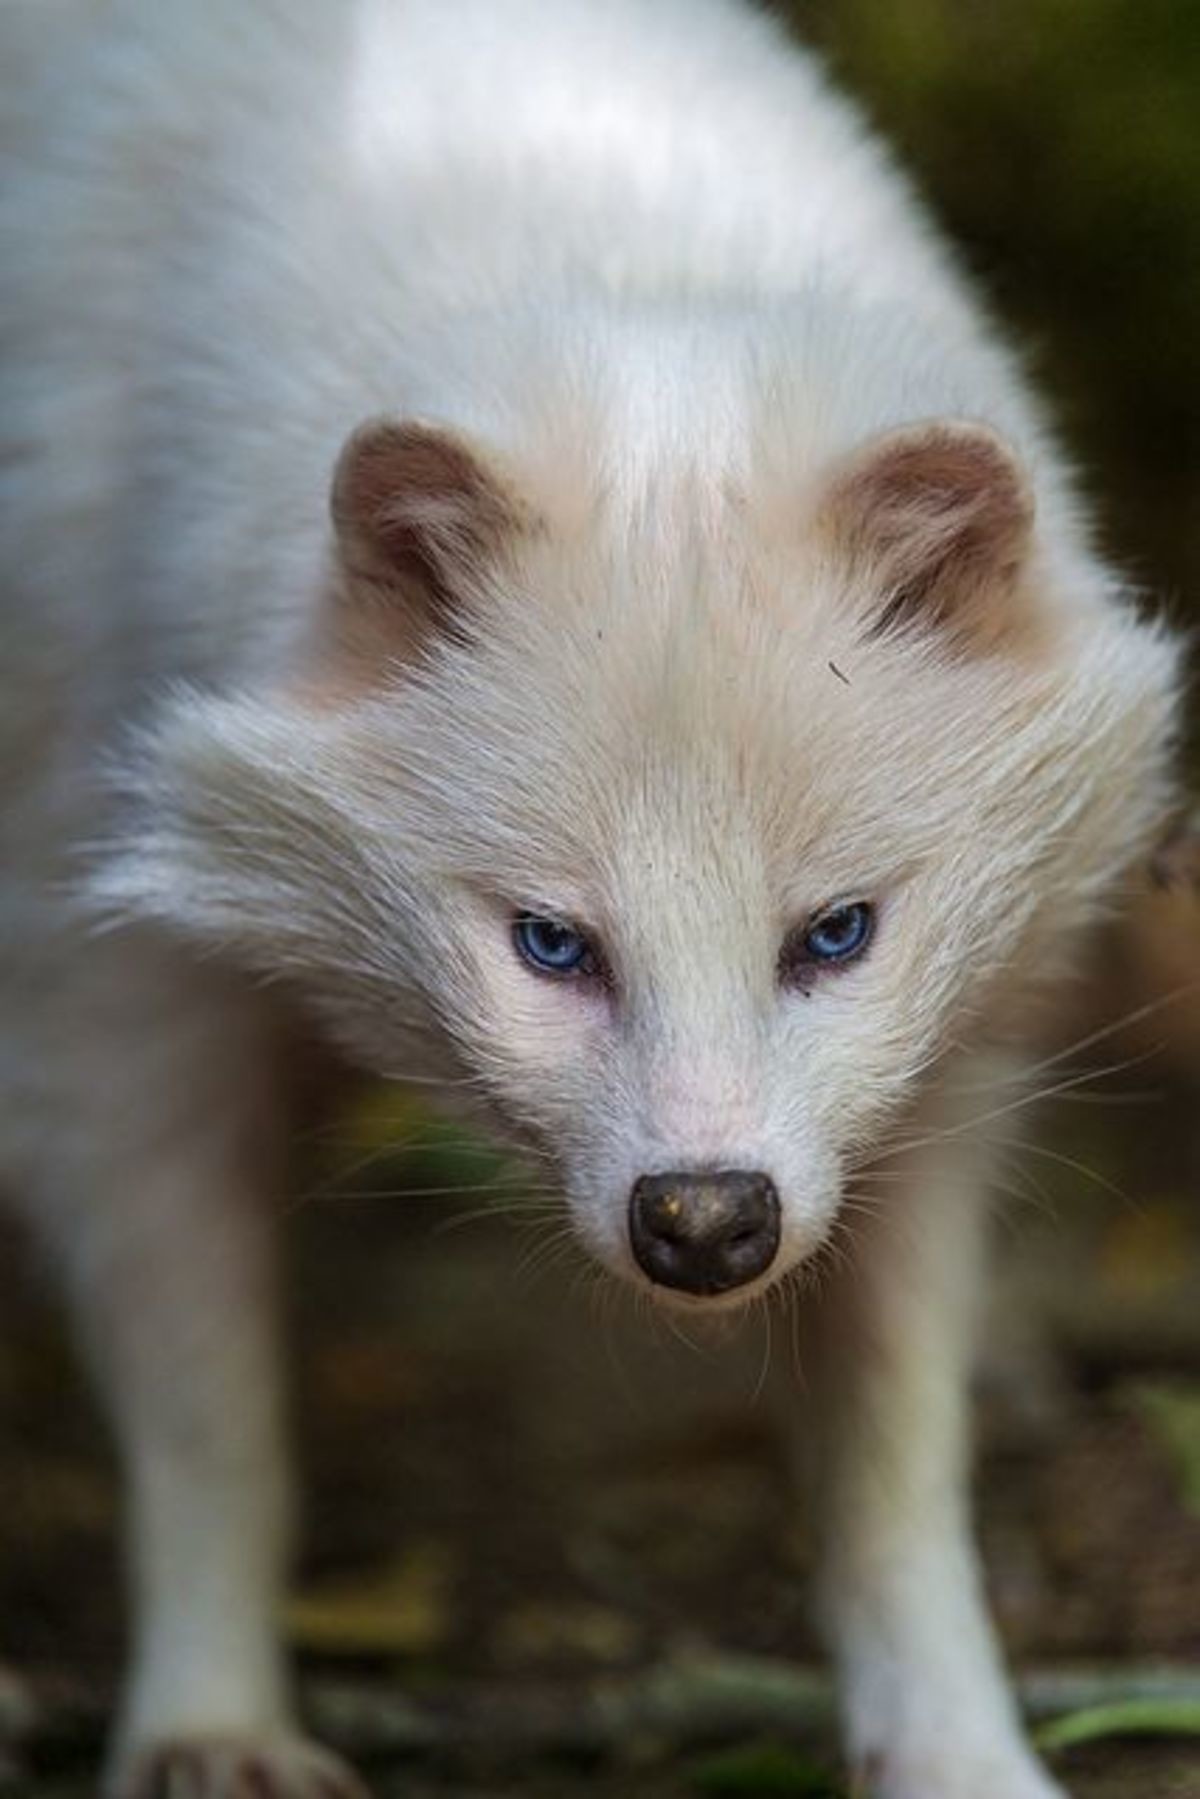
pixel 535 1513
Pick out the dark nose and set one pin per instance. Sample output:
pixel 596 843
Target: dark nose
pixel 704 1232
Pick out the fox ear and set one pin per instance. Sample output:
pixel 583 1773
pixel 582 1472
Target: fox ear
pixel 418 514
pixel 937 521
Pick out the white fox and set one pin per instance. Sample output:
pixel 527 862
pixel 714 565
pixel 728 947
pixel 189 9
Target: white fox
pixel 521 548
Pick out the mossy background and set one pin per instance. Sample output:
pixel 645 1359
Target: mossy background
pixel 1059 141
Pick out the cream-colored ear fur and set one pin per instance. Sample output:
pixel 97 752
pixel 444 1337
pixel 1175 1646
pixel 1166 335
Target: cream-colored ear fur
pixel 937 521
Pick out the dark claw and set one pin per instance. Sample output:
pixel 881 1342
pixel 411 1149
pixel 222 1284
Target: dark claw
pixel 221 1768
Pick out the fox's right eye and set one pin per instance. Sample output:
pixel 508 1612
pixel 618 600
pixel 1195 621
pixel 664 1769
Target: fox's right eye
pixel 552 947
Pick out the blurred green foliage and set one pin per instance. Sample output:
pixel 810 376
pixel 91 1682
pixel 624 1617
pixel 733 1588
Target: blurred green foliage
pixel 762 1771
pixel 1059 141
pixel 1172 1413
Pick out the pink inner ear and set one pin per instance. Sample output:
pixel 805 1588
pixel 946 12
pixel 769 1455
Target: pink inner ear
pixel 418 512
pixel 937 520
pixel 413 501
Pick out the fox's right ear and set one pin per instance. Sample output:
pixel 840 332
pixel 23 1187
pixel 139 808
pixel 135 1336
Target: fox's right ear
pixel 419 514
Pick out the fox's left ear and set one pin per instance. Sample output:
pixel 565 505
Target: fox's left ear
pixel 936 521
pixel 420 513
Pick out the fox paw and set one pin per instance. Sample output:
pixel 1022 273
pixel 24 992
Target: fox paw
pixel 937 1776
pixel 220 1766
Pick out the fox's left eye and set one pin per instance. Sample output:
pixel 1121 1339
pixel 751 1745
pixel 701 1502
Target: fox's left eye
pixel 839 933
pixel 552 947
pixel 836 935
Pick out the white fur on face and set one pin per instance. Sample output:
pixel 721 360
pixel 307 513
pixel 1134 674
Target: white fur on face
pixel 685 743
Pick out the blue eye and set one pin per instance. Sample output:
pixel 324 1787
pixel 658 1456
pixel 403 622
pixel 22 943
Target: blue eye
pixel 839 933
pixel 830 938
pixel 552 947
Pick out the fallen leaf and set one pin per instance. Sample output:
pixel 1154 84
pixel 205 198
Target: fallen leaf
pixel 398 1609
pixel 535 1633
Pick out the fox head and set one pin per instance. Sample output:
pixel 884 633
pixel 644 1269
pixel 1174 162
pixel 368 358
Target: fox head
pixel 687 819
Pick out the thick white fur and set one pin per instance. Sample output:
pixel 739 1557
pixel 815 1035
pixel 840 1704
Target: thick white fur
pixel 642 258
